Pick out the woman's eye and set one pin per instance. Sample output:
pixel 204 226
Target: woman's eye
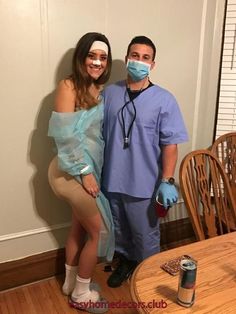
pixel 91 56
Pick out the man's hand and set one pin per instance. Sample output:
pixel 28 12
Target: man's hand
pixel 168 194
pixel 90 184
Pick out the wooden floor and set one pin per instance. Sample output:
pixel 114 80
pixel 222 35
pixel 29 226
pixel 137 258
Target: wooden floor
pixel 45 297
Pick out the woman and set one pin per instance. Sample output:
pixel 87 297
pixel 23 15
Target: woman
pixel 74 174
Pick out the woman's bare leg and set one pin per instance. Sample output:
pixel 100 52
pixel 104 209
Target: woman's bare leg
pixel 88 255
pixel 87 260
pixel 75 241
pixel 74 245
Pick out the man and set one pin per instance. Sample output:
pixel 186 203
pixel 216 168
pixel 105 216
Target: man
pixel 142 127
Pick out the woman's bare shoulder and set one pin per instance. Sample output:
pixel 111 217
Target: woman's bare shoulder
pixel 65 96
pixel 66 85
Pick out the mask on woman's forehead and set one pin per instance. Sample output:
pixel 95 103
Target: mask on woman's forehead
pixel 97 44
pixel 138 70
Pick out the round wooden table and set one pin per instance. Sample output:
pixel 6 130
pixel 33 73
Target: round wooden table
pixel 153 290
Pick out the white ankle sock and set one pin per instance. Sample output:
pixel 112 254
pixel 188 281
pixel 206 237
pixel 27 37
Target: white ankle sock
pixel 70 279
pixel 82 292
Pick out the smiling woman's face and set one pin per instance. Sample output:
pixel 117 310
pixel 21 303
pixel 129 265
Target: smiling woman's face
pixel 96 63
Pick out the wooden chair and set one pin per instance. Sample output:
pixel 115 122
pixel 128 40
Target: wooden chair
pixel 207 194
pixel 224 148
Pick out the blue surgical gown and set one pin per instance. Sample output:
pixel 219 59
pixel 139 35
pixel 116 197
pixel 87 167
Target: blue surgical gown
pixel 80 146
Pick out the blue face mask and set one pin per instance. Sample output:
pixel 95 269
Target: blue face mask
pixel 138 70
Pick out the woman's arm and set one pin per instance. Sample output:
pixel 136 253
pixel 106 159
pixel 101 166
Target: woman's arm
pixel 65 98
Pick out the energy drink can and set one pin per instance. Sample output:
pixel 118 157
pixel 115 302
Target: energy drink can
pixel 187 280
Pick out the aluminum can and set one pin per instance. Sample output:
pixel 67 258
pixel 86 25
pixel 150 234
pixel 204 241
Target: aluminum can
pixel 187 281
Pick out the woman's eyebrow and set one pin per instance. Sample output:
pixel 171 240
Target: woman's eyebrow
pixel 96 54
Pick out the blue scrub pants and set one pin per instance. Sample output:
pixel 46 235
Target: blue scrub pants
pixel 137 234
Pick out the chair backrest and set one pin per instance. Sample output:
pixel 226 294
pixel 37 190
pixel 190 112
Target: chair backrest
pixel 207 195
pixel 224 148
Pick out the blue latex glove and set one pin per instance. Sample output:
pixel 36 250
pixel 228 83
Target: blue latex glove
pixel 167 194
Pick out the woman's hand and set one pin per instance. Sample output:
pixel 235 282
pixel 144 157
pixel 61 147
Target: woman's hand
pixel 90 184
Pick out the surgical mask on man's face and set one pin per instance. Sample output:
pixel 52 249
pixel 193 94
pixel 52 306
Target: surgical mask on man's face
pixel 138 70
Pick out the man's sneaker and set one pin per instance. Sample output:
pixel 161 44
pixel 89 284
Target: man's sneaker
pixel 124 269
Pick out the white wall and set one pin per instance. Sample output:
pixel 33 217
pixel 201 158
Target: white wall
pixel 37 37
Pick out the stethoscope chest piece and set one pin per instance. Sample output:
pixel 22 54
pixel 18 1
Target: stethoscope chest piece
pixel 126 142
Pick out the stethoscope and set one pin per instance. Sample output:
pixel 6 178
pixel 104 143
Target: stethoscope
pixel 126 133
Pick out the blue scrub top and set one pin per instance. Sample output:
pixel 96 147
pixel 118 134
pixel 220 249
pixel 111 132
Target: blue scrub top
pixel 135 170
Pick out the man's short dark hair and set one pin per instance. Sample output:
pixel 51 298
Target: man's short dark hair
pixel 143 40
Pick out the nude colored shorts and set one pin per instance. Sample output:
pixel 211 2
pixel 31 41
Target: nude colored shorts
pixel 69 189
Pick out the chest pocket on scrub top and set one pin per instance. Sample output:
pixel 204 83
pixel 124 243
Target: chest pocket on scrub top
pixel 143 132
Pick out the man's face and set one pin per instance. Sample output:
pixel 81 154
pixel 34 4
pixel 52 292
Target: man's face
pixel 141 52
